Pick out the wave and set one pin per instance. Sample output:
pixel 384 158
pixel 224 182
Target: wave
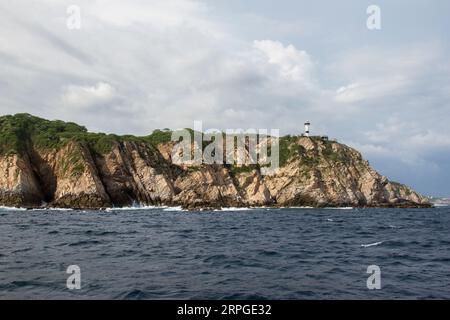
pixel 293 207
pixel 164 208
pixel 52 209
pixel 318 208
pixel 175 209
pixel 371 244
pixel 440 205
pixel 34 209
pixel 235 209
pixel 138 206
pixel 134 208
pixel 12 208
pixel 168 208
pixel 258 208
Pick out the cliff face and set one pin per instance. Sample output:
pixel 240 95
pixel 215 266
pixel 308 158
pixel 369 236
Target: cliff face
pixel 329 173
pixel 18 184
pixel 94 170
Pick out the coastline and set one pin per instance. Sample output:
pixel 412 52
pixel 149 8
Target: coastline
pixel 209 208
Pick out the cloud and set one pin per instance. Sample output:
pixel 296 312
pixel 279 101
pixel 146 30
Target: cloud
pixel 411 135
pixel 156 14
pixel 371 89
pixel 293 64
pixel 88 96
pixel 377 74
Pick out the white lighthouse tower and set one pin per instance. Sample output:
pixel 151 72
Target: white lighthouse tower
pixel 307 124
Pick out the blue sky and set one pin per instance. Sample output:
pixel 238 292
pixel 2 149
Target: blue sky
pixel 134 66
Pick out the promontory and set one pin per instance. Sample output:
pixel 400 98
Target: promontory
pixel 60 164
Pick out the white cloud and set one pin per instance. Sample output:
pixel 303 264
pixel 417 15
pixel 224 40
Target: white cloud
pixel 398 139
pixel 294 65
pixel 157 14
pixel 377 74
pixel 431 139
pixel 371 89
pixel 88 96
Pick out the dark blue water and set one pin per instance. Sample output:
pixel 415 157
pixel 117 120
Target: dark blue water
pixel 274 254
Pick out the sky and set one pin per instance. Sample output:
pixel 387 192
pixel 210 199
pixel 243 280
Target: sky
pixel 134 66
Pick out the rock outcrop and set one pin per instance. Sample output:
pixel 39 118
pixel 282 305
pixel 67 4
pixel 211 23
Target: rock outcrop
pixel 72 168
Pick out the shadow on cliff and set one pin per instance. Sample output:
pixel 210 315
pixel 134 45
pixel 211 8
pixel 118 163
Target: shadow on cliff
pixel 44 174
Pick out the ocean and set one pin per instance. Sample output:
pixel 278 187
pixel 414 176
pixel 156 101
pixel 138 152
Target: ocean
pixel 167 253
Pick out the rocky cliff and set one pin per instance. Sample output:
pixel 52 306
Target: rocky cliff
pixel 57 164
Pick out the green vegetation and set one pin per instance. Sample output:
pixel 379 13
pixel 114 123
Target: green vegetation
pixel 289 148
pixel 159 136
pixel 18 131
pixel 310 161
pixel 164 136
pixel 244 168
pixel 74 162
pixel 329 153
pixel 21 131
pixel 333 156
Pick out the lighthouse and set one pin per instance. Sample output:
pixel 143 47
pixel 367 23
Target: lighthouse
pixel 307 124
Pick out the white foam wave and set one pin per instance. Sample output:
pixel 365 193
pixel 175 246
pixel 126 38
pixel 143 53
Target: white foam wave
pixel 234 209
pixel 12 208
pixel 34 209
pixel 174 209
pixel 371 244
pixel 134 208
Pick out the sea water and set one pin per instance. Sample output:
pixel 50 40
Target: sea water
pixel 168 253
